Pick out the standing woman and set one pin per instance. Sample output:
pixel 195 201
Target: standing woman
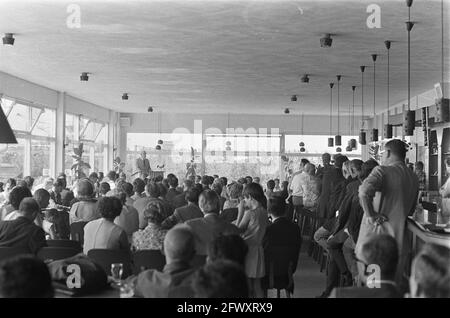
pixel 252 223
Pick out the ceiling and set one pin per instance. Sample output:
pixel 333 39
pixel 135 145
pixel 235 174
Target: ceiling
pixel 221 56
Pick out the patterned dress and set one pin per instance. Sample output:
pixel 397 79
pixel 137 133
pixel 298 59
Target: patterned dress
pixel 150 238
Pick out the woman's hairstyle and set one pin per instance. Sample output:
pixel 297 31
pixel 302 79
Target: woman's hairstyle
pixel 162 189
pixel 271 184
pixel 367 168
pixel 17 195
pixel 85 188
pixel 255 191
pixel 128 188
pixel 153 189
pixel 104 188
pixel 138 185
pixel 12 182
pixel 432 271
pixel 236 190
pixel 109 207
pixel 154 212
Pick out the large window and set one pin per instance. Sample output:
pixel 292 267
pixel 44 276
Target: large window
pixel 175 153
pixel 94 136
pixel 34 127
pixel 236 156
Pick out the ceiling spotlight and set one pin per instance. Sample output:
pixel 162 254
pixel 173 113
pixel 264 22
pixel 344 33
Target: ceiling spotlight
pixel 294 98
pixel 326 41
pixel 286 111
pixel 84 77
pixel 125 96
pixel 8 39
pixel 305 78
pixel 158 147
pixel 150 109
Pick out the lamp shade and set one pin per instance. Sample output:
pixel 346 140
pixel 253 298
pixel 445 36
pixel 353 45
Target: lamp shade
pixel 338 149
pixel 6 134
pixel 362 137
pixel 338 140
pixel 374 134
pixel 158 147
pixel 409 122
pixel 348 148
pixel 330 142
pixel 353 143
pixel 387 131
pixel 302 149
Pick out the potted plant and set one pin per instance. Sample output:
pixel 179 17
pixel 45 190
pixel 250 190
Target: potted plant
pixel 79 164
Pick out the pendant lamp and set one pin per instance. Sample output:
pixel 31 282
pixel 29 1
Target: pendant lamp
pixel 374 132
pixel 388 127
pixel 338 138
pixel 362 133
pixel 409 116
pixel 353 142
pixel 331 140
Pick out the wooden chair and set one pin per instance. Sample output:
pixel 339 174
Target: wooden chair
pixel 9 252
pixel 56 253
pixel 148 259
pixel 106 257
pixel 65 243
pixel 281 263
pixel 77 231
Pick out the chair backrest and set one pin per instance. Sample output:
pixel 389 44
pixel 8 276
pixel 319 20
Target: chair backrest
pixel 56 253
pixel 281 263
pixel 148 259
pixel 230 214
pixel 77 231
pixel 198 261
pixel 106 257
pixel 8 252
pixel 65 243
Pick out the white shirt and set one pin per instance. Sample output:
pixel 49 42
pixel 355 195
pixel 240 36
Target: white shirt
pixel 297 184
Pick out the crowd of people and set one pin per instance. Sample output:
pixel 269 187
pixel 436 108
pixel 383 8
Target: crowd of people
pixel 234 227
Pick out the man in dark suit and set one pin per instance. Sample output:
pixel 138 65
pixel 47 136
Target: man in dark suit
pixel 376 268
pixel 211 225
pixel 185 213
pixel 281 233
pixel 175 279
pixel 22 232
pixel 143 166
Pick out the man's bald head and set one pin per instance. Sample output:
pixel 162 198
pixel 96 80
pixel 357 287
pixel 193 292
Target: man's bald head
pixel 179 244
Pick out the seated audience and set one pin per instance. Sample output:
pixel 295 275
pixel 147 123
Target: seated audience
pixel 10 211
pixel 103 233
pixel 179 200
pixel 152 194
pixel 42 197
pixel 183 214
pixel 152 237
pixel 381 253
pixel 85 209
pixel 175 279
pixel 25 276
pixel 168 207
pixel 430 273
pixel 128 219
pixel 55 192
pixel 217 188
pixel 29 181
pixel 210 226
pixel 22 232
pixel 220 279
pixel 138 188
pixel 104 189
pixel 4 196
pixel 173 185
pixel 56 224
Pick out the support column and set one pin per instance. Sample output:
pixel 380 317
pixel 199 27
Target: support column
pixel 113 139
pixel 60 135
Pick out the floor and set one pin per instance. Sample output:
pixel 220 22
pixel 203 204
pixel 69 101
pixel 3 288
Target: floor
pixel 309 282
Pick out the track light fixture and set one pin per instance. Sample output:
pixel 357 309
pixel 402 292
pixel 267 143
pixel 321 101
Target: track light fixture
pixel 286 111
pixel 294 98
pixel 125 96
pixel 305 78
pixel 150 109
pixel 8 39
